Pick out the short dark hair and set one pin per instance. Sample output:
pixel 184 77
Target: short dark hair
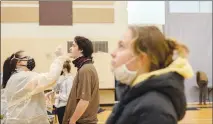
pixel 10 66
pixel 85 45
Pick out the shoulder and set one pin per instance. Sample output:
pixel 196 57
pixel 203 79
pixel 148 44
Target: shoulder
pixel 86 68
pixel 154 108
pixel 70 78
pixel 154 102
pixel 151 98
pixel 24 74
pixel 60 79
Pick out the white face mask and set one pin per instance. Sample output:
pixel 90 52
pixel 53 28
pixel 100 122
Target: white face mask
pixel 124 75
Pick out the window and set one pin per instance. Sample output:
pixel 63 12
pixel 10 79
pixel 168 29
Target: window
pixel 206 6
pixel 190 6
pixel 146 12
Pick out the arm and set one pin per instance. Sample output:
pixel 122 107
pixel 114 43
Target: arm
pixel 69 85
pixel 58 83
pixel 42 81
pixel 46 80
pixel 80 109
pixel 197 76
pixel 54 90
pixel 83 93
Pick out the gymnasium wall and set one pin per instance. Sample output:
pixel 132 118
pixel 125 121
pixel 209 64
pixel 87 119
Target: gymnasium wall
pixel 41 41
pixel 97 20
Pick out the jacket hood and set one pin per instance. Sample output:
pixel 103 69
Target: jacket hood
pixel 180 66
pixel 168 81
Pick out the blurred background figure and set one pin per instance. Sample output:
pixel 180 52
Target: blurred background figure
pixel 202 82
pixel 62 91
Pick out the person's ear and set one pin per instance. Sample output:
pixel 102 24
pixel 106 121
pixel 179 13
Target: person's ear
pixel 143 58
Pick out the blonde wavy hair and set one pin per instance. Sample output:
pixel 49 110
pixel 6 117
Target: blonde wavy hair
pixel 160 50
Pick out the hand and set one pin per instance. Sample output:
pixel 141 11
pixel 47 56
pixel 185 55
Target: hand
pixel 59 51
pixel 64 56
pixel 48 95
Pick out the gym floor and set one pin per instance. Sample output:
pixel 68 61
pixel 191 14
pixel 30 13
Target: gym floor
pixel 199 114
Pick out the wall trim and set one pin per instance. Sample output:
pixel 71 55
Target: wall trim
pixel 74 6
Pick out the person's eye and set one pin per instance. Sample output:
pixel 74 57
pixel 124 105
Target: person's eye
pixel 121 46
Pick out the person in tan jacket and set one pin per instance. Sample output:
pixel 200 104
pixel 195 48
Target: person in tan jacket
pixel 202 82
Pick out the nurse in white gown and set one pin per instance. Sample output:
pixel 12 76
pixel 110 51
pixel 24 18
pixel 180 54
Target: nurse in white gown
pixel 24 91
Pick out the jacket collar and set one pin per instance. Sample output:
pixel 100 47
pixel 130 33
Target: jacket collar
pixel 180 66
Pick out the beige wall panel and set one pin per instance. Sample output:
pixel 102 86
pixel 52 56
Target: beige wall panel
pixel 93 2
pixel 19 2
pixel 93 15
pixel 19 14
pixel 102 62
pixel 80 15
pixel 42 50
pixel 107 96
pixel 41 41
pixel 74 2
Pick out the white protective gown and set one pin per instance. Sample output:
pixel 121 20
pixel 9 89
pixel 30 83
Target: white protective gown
pixel 3 104
pixel 25 95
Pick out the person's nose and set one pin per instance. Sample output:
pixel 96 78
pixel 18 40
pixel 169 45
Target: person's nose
pixel 113 54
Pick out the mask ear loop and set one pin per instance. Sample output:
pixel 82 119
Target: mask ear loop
pixel 21 59
pixel 137 71
pixel 138 68
pixel 128 62
pixel 14 57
